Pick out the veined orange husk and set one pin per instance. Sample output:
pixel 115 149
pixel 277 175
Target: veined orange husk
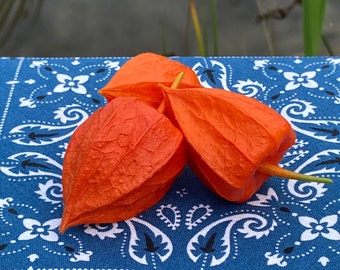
pixel 139 77
pixel 228 135
pixel 121 161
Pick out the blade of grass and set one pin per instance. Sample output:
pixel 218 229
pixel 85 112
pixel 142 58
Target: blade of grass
pixel 197 27
pixel 205 25
pixel 214 25
pixel 11 19
pixel 187 33
pixel 5 12
pixel 267 30
pixel 327 45
pixel 313 17
pixel 13 13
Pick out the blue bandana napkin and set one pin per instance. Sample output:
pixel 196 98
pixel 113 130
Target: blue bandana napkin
pixel 286 225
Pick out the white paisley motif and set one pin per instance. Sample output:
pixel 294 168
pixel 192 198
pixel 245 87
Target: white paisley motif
pixel 222 77
pixel 43 134
pixel 193 218
pixel 324 130
pixel 249 88
pixel 253 221
pixel 31 164
pixel 264 200
pixel 309 191
pixel 50 192
pixel 135 242
pixel 172 221
pixel 306 192
pixel 325 162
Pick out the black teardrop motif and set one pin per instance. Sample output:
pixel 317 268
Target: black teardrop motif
pixel 275 97
pixel 210 75
pixel 41 97
pixel 12 211
pixel 3 246
pixel 284 209
pixel 209 245
pixel 69 249
pixel 100 70
pixel 96 101
pixel 150 245
pixel 288 250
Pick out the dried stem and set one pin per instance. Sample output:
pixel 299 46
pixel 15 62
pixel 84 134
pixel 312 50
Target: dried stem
pixel 274 170
pixel 161 108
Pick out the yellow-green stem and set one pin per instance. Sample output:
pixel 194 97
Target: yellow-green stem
pixel 175 84
pixel 197 27
pixel 274 170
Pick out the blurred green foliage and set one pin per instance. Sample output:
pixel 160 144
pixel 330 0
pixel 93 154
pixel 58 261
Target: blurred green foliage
pixel 313 13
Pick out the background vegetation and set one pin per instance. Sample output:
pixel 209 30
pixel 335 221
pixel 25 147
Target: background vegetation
pixel 202 22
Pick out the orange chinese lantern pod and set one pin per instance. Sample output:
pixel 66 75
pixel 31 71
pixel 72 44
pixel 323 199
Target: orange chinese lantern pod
pixel 119 162
pixel 229 136
pixel 139 77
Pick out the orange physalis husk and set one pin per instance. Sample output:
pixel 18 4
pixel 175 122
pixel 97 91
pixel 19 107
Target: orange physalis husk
pixel 119 162
pixel 139 77
pixel 229 135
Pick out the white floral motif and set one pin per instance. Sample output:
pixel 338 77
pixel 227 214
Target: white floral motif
pixel 182 192
pixel 112 65
pixel 323 260
pixel 33 257
pixel 69 83
pixel 316 228
pixel 82 256
pixel 5 202
pixel 275 259
pixel 35 229
pixel 304 79
pixel 260 63
pixel 103 230
pixel 38 63
pixel 27 102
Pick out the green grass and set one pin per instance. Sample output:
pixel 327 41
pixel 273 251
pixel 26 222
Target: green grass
pixel 313 16
pixel 202 37
pixel 198 29
pixel 313 13
pixel 16 12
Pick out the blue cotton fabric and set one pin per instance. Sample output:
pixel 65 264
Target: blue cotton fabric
pixel 285 225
